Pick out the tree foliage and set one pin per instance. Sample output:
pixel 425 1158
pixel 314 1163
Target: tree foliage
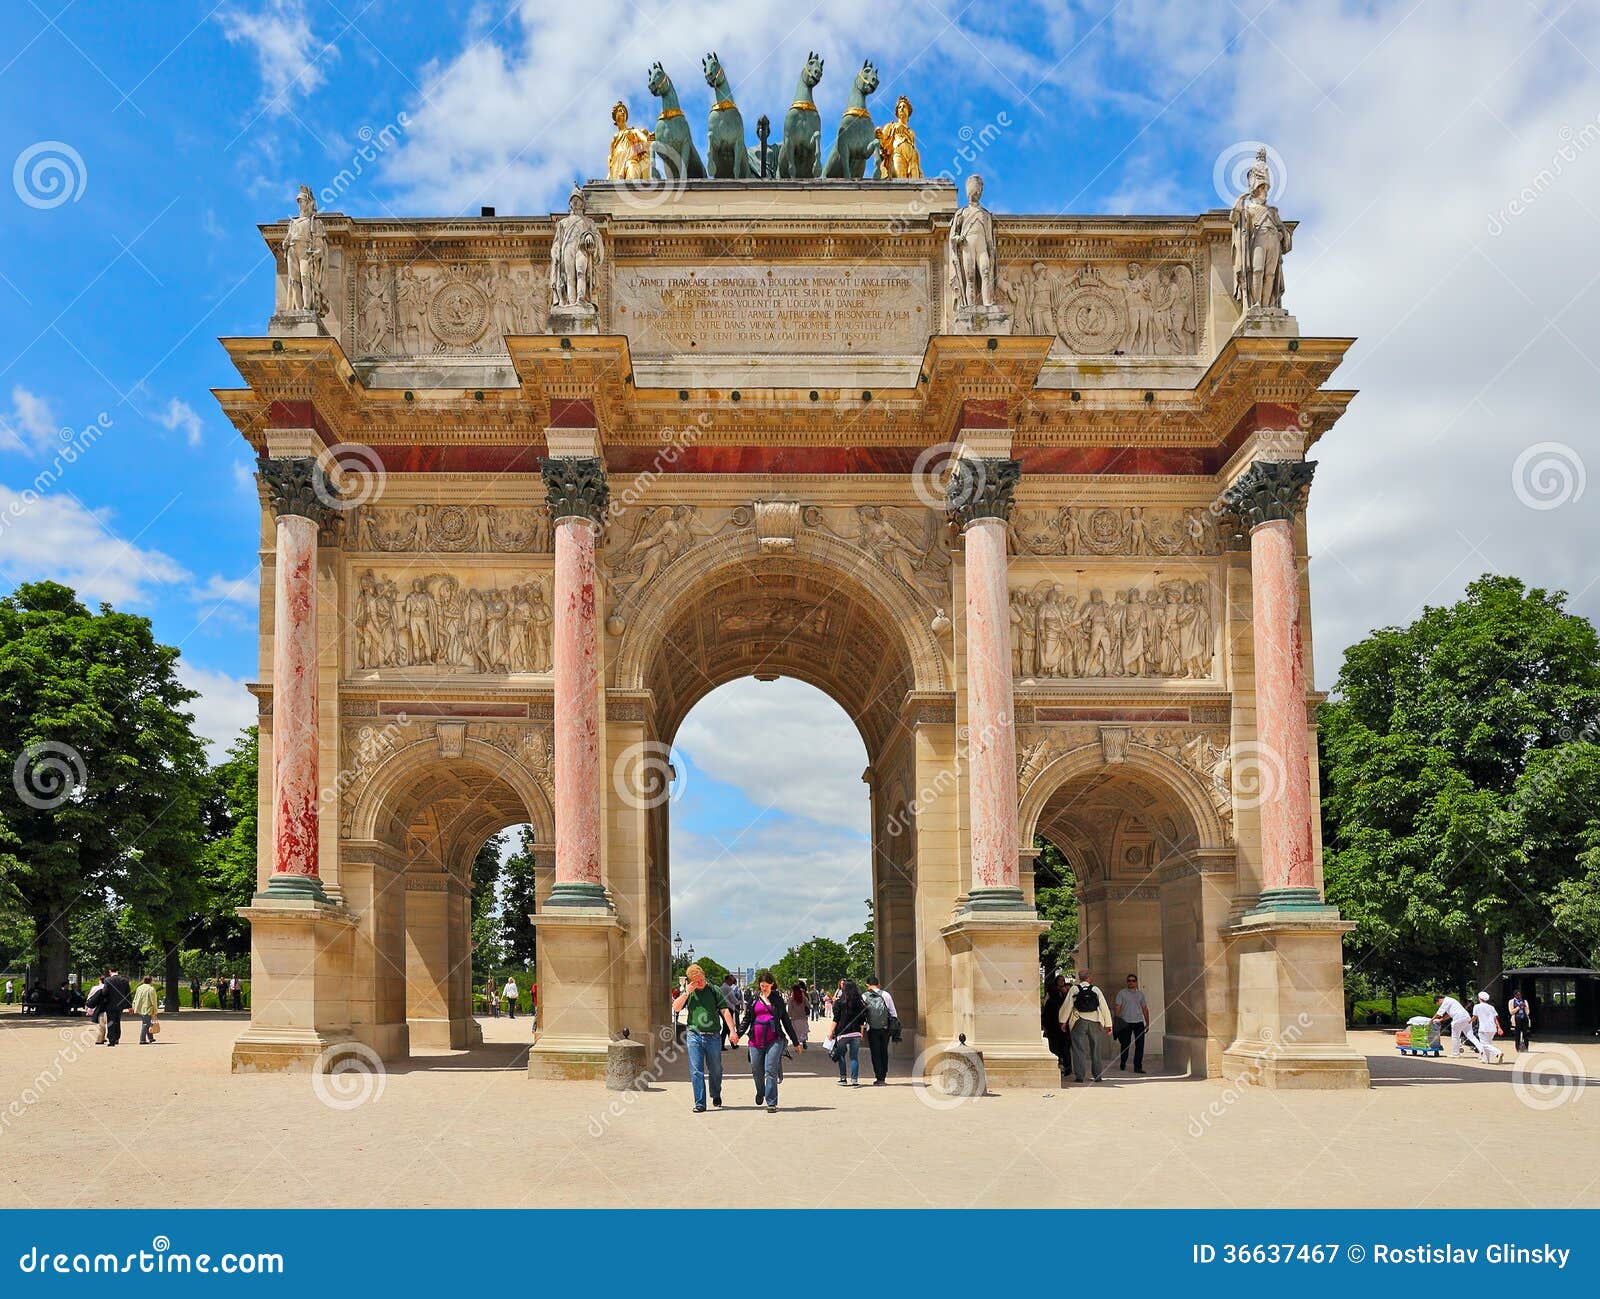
pixel 1055 895
pixel 1459 774
pixel 819 961
pixel 106 766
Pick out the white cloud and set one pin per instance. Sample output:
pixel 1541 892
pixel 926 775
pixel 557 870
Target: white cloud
pixel 288 54
pixel 520 112
pixel 223 590
pixel 1409 135
pixel 30 425
pixel 782 744
pixel 223 709
pixel 53 536
pixel 180 415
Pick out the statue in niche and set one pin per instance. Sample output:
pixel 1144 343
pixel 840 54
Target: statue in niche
pixel 575 253
pixel 1260 240
pixel 305 248
pixel 972 250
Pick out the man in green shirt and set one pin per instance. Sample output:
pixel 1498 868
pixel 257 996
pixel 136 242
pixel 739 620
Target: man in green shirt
pixel 707 1014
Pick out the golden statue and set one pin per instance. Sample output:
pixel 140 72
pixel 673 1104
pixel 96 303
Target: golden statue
pixel 897 146
pixel 630 148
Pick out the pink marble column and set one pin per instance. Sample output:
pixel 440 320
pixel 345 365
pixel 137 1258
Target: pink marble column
pixel 980 499
pixel 577 492
pixel 1268 497
pixel 302 500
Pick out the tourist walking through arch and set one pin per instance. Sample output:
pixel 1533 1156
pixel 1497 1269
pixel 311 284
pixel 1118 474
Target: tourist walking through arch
pixel 766 1024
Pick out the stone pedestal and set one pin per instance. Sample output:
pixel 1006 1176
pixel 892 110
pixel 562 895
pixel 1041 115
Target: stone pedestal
pixel 295 324
pixel 1267 322
pixel 300 962
pixel 625 1064
pixel 1289 975
pixel 994 968
pixel 583 318
pixel 982 320
pixel 579 953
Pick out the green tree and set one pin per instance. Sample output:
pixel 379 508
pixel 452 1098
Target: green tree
pixel 228 866
pixel 819 961
pixel 95 729
pixel 1450 754
pixel 1055 895
pixel 715 970
pixel 486 919
pixel 863 949
pixel 518 938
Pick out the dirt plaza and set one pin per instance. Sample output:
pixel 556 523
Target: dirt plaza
pixel 171 1125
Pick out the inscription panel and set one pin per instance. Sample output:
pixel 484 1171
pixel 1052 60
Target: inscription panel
pixel 773 309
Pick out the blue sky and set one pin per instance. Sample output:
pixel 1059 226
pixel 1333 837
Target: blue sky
pixel 1443 159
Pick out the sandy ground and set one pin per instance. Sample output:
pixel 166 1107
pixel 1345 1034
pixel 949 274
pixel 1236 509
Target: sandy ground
pixel 169 1125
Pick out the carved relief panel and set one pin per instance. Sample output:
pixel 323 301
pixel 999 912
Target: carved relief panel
pixel 443 622
pixel 1112 624
pixel 1106 307
pixel 453 529
pixel 433 308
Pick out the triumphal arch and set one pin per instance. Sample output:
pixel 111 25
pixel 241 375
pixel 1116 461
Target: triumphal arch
pixel 1024 494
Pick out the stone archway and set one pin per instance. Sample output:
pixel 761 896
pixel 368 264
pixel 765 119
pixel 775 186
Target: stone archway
pixel 1154 865
pixel 822 612
pixel 405 870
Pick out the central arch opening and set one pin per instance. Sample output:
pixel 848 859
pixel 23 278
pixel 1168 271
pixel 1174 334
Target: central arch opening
pixel 780 683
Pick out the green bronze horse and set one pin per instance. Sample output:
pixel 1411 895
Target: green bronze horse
pixel 800 153
pixel 727 154
pixel 857 142
pixel 674 144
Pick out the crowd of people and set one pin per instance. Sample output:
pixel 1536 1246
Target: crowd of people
pixel 1479 1025
pixel 106 1001
pixel 771 1022
pixel 1076 1020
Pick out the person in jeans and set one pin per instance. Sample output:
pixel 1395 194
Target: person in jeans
pixel 880 1013
pixel 1133 1019
pixel 849 1018
pixel 708 1017
pixel 144 1006
pixel 1087 1020
pixel 1521 1014
pixel 766 1024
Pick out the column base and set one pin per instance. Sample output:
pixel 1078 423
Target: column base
pixel 1289 979
pixel 301 955
pixel 998 900
pixel 292 888
pixel 578 967
pixel 589 896
pixel 1291 900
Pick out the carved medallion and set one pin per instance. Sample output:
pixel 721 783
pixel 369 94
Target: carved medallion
pixel 1092 320
pixel 458 313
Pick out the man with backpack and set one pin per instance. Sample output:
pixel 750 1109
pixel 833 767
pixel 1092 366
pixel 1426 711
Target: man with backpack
pixel 1087 1020
pixel 881 1018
